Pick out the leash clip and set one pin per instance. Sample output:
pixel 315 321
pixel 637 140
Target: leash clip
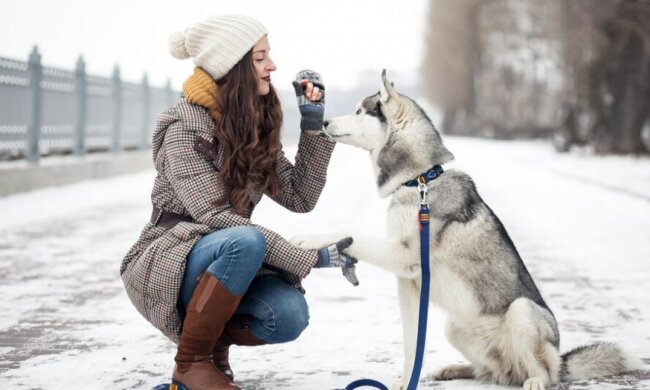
pixel 422 189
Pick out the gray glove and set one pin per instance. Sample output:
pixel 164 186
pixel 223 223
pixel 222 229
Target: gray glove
pixel 332 256
pixel 312 113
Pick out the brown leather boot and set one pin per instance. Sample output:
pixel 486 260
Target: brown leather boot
pixel 210 308
pixel 237 332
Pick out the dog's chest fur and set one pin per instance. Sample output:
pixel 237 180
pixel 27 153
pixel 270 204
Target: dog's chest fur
pixel 403 210
pixel 448 289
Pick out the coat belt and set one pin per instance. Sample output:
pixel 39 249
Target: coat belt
pixel 167 219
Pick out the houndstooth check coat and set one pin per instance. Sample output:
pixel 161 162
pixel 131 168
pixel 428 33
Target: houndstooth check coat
pixel 187 160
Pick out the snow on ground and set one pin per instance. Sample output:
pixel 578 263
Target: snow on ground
pixel 582 225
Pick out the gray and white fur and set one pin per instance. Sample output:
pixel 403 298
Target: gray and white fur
pixel 496 316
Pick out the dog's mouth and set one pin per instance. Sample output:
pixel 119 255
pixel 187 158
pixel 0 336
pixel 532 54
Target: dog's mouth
pixel 336 135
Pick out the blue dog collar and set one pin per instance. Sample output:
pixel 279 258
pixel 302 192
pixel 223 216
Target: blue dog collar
pixel 427 176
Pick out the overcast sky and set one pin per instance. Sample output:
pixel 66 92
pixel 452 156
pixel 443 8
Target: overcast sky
pixel 340 39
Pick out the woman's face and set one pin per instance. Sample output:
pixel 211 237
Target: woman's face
pixel 263 65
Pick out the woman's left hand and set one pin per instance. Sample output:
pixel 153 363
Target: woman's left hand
pixel 310 93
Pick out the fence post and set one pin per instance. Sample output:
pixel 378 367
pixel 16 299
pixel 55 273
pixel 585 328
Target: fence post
pixel 146 107
pixel 35 69
pixel 169 93
pixel 117 110
pixel 82 103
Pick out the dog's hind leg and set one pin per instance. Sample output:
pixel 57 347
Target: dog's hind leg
pixel 535 359
pixel 454 371
pixel 408 294
pixel 544 370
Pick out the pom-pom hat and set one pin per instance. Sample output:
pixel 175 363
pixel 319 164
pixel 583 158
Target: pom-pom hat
pixel 216 44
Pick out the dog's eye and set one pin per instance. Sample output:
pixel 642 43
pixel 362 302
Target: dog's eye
pixel 358 112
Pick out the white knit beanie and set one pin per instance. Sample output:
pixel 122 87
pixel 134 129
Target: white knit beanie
pixel 217 43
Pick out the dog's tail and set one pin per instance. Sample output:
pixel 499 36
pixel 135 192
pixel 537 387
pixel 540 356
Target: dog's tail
pixel 597 360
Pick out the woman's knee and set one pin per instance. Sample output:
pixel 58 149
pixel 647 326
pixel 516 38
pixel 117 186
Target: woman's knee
pixel 239 258
pixel 292 318
pixel 250 241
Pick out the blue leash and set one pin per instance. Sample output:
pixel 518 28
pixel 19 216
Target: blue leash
pixel 423 219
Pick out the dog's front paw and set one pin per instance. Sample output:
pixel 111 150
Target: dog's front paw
pixel 309 242
pixel 399 385
pixel 535 383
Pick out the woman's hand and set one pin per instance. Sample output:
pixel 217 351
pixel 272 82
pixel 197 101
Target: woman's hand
pixel 332 256
pixel 310 93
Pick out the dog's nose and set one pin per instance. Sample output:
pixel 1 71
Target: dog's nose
pixel 325 123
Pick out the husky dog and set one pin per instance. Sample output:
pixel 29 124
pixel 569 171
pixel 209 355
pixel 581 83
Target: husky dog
pixel 497 318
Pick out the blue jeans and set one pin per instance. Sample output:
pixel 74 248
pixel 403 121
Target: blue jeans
pixel 234 256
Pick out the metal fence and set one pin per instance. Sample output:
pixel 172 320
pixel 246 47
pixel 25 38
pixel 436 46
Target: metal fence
pixel 46 110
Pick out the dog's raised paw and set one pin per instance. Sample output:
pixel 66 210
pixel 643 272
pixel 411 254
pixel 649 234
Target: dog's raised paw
pixel 309 242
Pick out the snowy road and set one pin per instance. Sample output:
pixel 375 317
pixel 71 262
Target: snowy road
pixel 582 225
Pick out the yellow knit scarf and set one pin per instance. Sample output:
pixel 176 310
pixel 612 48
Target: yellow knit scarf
pixel 201 89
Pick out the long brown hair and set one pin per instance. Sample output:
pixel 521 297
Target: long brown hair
pixel 248 129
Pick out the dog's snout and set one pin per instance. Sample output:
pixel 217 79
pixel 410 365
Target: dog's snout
pixel 325 123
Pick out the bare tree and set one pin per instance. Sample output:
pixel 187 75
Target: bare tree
pixel 582 40
pixel 620 80
pixel 450 57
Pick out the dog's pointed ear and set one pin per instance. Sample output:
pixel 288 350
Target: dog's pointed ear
pixel 388 89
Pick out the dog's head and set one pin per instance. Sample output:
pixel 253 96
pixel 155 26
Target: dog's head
pixel 400 137
pixel 367 127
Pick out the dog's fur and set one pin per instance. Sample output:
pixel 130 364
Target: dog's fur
pixel 497 317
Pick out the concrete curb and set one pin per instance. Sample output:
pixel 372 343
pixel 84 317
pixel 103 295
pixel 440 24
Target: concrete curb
pixel 21 176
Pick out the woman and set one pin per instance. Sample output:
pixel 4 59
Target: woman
pixel 200 262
